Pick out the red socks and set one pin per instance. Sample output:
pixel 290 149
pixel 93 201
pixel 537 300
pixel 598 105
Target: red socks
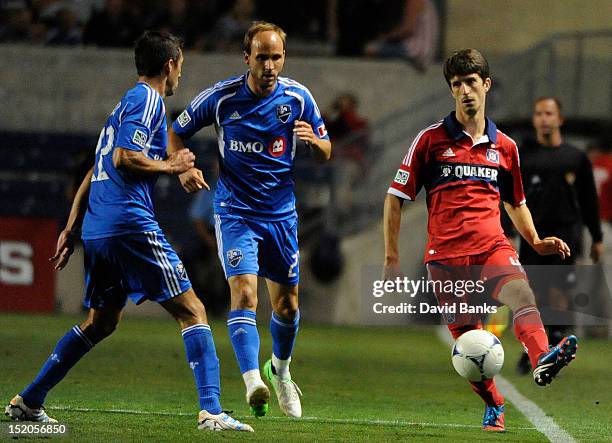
pixel 529 330
pixel 488 392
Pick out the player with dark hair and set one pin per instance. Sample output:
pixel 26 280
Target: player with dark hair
pixel 466 165
pixel 560 186
pixel 126 252
pixel 259 118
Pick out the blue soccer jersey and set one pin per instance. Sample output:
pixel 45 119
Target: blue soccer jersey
pixel 256 143
pixel 119 202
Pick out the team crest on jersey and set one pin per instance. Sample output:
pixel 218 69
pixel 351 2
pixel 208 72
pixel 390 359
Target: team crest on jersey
pixel 401 177
pixel 181 271
pixel 493 156
pixel 140 138
pixel 234 257
pixel 277 147
pixel 183 119
pixel 283 112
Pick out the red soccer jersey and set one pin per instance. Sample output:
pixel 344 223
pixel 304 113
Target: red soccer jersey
pixel 602 171
pixel 464 181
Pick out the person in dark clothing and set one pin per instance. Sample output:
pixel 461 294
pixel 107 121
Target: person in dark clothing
pixel 113 27
pixel 560 188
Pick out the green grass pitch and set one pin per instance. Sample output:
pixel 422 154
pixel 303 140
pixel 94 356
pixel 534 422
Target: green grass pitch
pixel 359 384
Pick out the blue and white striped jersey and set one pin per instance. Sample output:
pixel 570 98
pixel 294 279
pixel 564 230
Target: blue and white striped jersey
pixel 256 143
pixel 120 202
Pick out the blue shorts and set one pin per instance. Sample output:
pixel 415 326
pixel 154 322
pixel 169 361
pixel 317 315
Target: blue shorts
pixel 139 266
pixel 265 248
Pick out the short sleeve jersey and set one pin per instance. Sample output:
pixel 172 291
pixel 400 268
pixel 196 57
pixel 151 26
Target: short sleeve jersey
pixel 464 181
pixel 256 143
pixel 119 201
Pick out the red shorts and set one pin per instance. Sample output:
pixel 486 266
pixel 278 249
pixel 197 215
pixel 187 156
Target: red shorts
pixel 488 272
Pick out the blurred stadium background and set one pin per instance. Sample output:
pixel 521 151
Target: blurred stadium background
pixel 64 72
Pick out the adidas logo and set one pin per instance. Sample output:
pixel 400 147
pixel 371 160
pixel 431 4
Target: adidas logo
pixel 448 153
pixel 239 331
pixel 234 116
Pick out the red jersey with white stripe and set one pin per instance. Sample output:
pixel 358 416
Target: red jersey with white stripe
pixel 602 171
pixel 464 180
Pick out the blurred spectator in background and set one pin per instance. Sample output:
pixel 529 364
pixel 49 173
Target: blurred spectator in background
pixel 351 23
pixel 180 18
pixel 300 19
pixel 207 12
pixel 560 190
pixel 600 154
pixel 204 267
pixel 414 37
pixel 114 26
pixel 350 133
pixel 601 158
pixel 231 27
pixel 65 28
pixel 16 23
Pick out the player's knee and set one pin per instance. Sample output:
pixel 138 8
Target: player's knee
pixel 517 294
pixel 524 294
pixel 286 308
pixel 244 297
pixel 98 330
pixel 196 314
pixel 188 309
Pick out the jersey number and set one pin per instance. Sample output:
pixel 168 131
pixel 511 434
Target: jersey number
pixel 110 136
pixel 292 273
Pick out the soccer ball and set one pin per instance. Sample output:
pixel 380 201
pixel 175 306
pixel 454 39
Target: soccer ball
pixel 478 355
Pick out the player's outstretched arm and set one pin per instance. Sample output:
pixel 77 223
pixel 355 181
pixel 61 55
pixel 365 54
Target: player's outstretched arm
pixel 65 242
pixel 521 217
pixel 135 161
pixel 321 148
pixel 391 226
pixel 191 180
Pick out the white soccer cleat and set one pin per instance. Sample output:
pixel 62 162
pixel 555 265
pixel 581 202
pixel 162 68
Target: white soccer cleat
pixel 258 396
pixel 287 393
pixel 18 411
pixel 220 422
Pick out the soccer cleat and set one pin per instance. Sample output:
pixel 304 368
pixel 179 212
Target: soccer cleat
pixel 18 411
pixel 257 397
pixel 287 393
pixel 551 362
pixel 493 419
pixel 220 422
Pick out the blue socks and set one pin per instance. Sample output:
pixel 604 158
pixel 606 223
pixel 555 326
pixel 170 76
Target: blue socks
pixel 68 351
pixel 243 333
pixel 203 361
pixel 242 329
pixel 199 347
pixel 283 333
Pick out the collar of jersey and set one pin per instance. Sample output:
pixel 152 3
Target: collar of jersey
pixel 148 86
pixel 456 131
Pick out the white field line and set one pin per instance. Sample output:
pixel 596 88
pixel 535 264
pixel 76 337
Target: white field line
pixel 542 422
pixel 348 421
